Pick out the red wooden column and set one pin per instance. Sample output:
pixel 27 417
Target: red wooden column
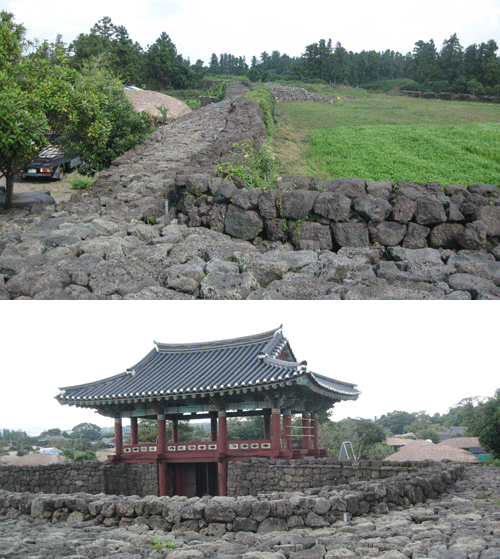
pixel 287 429
pixel 162 466
pixel 213 426
pixel 134 431
pixel 314 420
pixel 222 447
pixel 118 436
pixel 276 427
pixel 175 430
pixel 267 425
pixel 306 431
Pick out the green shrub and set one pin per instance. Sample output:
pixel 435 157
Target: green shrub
pixel 81 182
pixel 156 543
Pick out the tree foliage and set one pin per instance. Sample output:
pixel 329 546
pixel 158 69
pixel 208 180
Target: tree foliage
pixel 487 424
pixel 363 434
pixel 44 97
pixel 88 431
pixel 245 429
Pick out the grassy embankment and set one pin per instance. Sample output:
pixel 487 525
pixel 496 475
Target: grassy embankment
pixel 384 136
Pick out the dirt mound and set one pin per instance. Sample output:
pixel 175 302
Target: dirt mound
pixel 32 459
pixel 150 100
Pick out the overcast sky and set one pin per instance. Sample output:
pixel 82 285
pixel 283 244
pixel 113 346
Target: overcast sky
pixel 198 28
pixel 403 356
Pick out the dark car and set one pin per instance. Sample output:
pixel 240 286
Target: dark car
pixel 51 162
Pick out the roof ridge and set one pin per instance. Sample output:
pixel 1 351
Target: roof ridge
pixel 195 346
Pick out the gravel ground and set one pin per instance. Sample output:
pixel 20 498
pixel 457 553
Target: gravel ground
pixel 463 524
pixel 61 191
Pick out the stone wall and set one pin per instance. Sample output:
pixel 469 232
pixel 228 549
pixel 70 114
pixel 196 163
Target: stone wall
pixel 115 240
pixel 87 477
pixel 318 214
pixel 447 96
pixel 260 475
pixel 214 516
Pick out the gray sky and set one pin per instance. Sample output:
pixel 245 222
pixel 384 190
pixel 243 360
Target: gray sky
pixel 406 356
pixel 198 28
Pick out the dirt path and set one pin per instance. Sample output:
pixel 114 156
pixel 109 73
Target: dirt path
pixel 61 191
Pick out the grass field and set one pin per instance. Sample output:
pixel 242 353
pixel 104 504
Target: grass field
pixel 393 137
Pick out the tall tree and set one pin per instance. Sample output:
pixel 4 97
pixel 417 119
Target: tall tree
pixel 425 65
pixel 112 46
pixel 165 67
pixel 451 60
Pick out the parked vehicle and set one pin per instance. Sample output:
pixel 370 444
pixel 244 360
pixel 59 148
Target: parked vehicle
pixel 51 162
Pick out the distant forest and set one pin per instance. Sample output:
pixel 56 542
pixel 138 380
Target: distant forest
pixel 475 69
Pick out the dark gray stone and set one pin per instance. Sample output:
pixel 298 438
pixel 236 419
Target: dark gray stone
pixel 416 236
pixel 403 209
pixel 351 234
pixel 489 215
pixel 430 211
pixel 387 233
pixel 242 224
pixel 268 204
pixel 445 235
pixel 350 187
pixel 372 208
pixel 473 236
pixel 333 206
pixel 297 204
pixel 313 231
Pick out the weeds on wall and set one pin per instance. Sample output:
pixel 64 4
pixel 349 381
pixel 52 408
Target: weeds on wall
pixel 262 95
pixel 250 168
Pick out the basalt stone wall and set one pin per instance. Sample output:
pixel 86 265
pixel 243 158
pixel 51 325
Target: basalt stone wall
pixel 447 96
pixel 318 214
pixel 260 475
pixel 214 516
pixel 87 477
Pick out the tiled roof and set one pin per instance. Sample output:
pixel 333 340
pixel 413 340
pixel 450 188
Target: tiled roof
pixel 180 369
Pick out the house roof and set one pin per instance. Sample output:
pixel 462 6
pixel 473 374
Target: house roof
pixel 144 100
pixel 423 450
pixel 461 442
pixel 232 369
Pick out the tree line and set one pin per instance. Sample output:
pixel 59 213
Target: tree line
pixel 475 69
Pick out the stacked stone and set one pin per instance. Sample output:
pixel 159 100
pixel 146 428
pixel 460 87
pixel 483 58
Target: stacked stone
pixel 288 94
pixel 447 96
pixel 214 516
pixel 88 477
pixel 329 214
pixel 260 475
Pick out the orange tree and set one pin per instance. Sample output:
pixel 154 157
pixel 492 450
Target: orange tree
pixel 43 96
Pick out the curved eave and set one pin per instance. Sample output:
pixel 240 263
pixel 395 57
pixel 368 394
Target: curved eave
pixel 277 377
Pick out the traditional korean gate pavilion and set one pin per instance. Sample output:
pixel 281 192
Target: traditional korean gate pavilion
pixel 254 375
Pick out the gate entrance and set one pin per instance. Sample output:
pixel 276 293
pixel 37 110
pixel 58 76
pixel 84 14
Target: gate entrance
pixel 194 479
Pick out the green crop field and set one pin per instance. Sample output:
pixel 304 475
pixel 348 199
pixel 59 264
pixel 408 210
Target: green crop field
pixel 380 137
